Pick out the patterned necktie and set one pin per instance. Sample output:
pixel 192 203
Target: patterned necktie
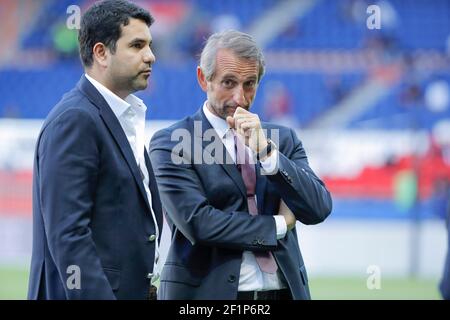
pixel 265 259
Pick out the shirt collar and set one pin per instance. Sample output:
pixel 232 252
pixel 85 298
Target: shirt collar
pixel 219 124
pixel 118 105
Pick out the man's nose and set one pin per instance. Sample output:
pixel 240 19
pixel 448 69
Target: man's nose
pixel 239 97
pixel 149 57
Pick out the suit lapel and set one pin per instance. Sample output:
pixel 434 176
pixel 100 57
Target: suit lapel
pixel 156 203
pixel 229 167
pixel 115 129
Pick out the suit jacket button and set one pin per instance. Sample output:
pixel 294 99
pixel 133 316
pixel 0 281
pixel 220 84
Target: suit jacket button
pixel 231 278
pixel 151 238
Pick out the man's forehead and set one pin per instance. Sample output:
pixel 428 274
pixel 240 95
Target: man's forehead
pixel 228 63
pixel 136 29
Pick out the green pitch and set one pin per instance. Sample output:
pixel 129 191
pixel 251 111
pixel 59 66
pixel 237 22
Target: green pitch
pixel 390 289
pixel 14 282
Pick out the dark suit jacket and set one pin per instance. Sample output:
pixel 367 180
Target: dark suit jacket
pixel 208 214
pixel 444 285
pixel 90 209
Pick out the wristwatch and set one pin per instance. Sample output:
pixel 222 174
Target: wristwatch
pixel 267 150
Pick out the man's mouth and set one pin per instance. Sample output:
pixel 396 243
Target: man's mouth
pixel 146 72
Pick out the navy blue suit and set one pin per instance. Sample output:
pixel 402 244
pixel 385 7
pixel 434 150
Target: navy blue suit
pixel 90 209
pixel 207 211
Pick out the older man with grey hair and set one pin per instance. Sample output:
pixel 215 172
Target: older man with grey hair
pixel 234 187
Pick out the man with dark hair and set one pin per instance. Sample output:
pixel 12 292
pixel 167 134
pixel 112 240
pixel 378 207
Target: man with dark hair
pixel 97 216
pixel 233 219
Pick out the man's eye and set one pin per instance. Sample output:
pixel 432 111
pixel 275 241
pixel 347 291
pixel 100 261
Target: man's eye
pixel 137 45
pixel 228 83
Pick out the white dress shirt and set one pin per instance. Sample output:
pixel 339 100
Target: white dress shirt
pixel 251 277
pixel 131 115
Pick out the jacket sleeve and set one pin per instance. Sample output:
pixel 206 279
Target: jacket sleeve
pixel 303 192
pixel 184 198
pixel 68 164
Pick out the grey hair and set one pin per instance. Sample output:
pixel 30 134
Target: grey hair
pixel 241 44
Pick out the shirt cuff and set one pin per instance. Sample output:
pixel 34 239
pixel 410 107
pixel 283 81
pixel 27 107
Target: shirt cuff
pixel 281 226
pixel 269 166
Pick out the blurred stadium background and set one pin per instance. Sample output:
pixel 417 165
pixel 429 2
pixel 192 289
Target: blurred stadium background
pixel 371 106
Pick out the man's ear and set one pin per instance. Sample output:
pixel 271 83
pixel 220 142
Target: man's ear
pixel 100 54
pixel 201 79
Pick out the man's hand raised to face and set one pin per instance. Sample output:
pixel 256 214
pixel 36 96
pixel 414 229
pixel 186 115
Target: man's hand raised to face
pixel 248 126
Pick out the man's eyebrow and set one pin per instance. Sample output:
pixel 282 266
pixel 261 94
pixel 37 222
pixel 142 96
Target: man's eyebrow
pixel 229 76
pixel 140 40
pixel 252 78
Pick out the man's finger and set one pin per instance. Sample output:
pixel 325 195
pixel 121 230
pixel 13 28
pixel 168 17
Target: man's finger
pixel 240 110
pixel 248 116
pixel 231 122
pixel 249 125
pixel 238 122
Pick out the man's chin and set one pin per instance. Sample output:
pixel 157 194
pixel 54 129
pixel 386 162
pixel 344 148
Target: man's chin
pixel 141 85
